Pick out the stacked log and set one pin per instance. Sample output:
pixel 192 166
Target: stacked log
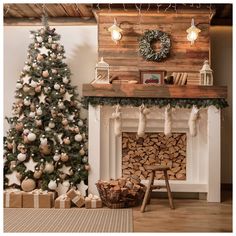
pixel 152 149
pixel 123 192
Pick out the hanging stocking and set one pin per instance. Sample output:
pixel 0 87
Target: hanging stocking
pixel 168 121
pixel 192 122
pixel 143 111
pixel 117 121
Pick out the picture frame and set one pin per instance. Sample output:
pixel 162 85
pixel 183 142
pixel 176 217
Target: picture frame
pixel 152 77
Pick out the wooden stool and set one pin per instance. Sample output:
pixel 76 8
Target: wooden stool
pixel 150 186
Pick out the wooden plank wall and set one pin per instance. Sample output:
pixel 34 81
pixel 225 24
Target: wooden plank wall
pixel 124 58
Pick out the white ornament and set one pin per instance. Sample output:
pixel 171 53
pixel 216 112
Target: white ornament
pixel 71 117
pixel 47 129
pixel 56 86
pixel 19 85
pixel 67 96
pixel 21 156
pixel 61 105
pixel 192 122
pixel 33 84
pixel 43 141
pixel 56 157
pixel 52 184
pixel 117 121
pixel 78 137
pixel 59 136
pixel 31 137
pixel 43 50
pixel 39 39
pixel 65 80
pixel 12 178
pixel 142 120
pixel 27 102
pixel 168 121
pixel 26 131
pixel 49 168
pixel 30 165
pixel 42 98
pixel 39 111
pixel 50 39
pixel 65 169
pixel 51 125
pixel 80 123
pixel 82 187
pixel 26 68
pixel 26 79
pixel 32 114
pixel 63 187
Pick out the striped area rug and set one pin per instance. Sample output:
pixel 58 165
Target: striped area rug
pixel 67 220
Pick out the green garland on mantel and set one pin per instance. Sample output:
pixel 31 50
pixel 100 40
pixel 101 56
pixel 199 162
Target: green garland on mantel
pixel 219 103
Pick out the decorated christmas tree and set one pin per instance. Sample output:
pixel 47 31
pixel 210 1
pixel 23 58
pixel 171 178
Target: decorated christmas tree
pixel 46 145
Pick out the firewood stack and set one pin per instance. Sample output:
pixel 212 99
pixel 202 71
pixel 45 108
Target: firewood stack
pixel 120 193
pixel 139 153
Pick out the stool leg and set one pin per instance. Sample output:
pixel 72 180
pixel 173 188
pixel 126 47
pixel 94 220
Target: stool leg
pixel 169 191
pixel 152 182
pixel 147 193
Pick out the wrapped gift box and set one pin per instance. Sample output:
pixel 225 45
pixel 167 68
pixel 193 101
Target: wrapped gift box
pixel 38 199
pixel 63 201
pixel 93 201
pixel 12 198
pixel 76 197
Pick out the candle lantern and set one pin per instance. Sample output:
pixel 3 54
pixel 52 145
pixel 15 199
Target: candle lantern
pixel 206 76
pixel 102 72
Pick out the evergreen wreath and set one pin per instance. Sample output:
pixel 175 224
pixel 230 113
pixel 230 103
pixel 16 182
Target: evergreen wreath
pixel 145 45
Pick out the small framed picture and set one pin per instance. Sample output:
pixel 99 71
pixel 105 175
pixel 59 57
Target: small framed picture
pixel 152 77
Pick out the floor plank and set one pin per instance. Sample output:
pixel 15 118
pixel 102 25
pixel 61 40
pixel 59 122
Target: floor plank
pixel 190 215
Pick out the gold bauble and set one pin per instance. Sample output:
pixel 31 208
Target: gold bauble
pixel 39 57
pixel 28 185
pixel 19 126
pixel 26 140
pixel 64 157
pixel 45 73
pixel 66 140
pixel 38 174
pixel 26 88
pixel 48 168
pixel 32 107
pixel 54 46
pixel 10 146
pixel 45 149
pixel 38 89
pixel 64 121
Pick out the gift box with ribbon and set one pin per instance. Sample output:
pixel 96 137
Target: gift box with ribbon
pixel 38 199
pixel 12 198
pixel 76 197
pixel 63 201
pixel 93 201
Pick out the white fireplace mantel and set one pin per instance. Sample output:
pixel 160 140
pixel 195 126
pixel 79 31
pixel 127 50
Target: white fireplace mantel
pixel 203 151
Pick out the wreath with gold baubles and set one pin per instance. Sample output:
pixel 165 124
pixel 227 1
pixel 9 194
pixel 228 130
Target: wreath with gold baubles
pixel 146 49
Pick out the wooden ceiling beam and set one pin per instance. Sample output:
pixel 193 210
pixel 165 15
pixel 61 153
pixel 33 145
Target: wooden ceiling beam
pixel 85 10
pixel 53 21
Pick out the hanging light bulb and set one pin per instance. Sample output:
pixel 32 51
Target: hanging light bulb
pixel 193 32
pixel 115 32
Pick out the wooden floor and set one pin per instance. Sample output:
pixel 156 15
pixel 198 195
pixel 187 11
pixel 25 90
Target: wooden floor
pixel 190 215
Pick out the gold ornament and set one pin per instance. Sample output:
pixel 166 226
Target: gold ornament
pixel 26 140
pixel 54 46
pixel 45 149
pixel 64 121
pixel 28 185
pixel 45 73
pixel 38 89
pixel 82 152
pixel 64 157
pixel 62 176
pixel 32 107
pixel 9 146
pixel 38 174
pixel 19 126
pixel 18 175
pixel 66 140
pixel 49 168
pixel 39 57
pixel 26 88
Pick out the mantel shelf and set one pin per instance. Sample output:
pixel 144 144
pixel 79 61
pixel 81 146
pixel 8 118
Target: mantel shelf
pixel 153 91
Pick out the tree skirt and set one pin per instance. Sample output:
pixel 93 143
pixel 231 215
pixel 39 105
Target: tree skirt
pixel 67 220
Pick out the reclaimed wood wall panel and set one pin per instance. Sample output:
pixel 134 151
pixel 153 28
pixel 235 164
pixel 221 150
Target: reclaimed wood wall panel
pixel 124 57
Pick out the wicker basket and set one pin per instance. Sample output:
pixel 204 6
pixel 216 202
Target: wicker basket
pixel 115 199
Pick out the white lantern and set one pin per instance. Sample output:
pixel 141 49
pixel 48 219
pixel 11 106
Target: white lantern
pixel 206 76
pixel 102 72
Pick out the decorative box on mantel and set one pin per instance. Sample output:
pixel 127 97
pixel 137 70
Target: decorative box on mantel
pixel 202 151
